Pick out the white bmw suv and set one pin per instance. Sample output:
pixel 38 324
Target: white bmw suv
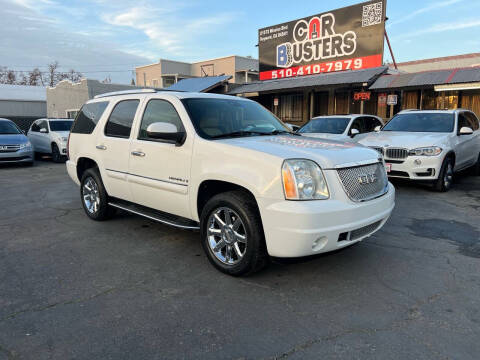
pixel 49 136
pixel 230 168
pixel 429 145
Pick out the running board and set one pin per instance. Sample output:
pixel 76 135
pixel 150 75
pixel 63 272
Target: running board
pixel 155 215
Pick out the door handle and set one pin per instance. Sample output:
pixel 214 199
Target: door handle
pixel 138 153
pixel 101 147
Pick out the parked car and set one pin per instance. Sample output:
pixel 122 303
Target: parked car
pixel 50 136
pixel 429 145
pixel 228 167
pixel 341 127
pixel 14 145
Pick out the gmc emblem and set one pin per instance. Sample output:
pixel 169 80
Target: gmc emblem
pixel 365 179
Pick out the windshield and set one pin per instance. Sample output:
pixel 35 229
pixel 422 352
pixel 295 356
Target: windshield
pixel 8 128
pixel 328 125
pixel 63 125
pixel 217 118
pixel 421 122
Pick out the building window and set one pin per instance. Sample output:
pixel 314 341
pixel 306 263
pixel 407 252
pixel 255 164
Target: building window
pixel 155 83
pixel 168 81
pixel 71 114
pixel 410 100
pixel 471 101
pixel 290 108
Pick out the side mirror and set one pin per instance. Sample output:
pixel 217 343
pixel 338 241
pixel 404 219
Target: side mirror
pixel 290 126
pixel 465 131
pixel 43 130
pixel 354 132
pixel 167 132
pixel 377 128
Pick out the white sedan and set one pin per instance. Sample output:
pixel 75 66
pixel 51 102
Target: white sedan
pixel 429 145
pixel 341 127
pixel 50 136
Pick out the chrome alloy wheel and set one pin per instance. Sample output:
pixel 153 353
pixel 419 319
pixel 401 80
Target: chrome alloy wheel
pixel 227 237
pixel 448 177
pixel 91 197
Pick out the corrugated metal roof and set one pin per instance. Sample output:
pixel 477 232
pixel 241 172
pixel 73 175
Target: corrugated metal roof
pixel 23 92
pixel 201 84
pixel 335 78
pixel 427 78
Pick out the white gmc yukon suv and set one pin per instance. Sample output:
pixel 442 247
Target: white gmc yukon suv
pixel 428 145
pixel 230 168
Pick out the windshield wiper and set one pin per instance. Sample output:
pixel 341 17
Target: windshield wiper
pixel 277 132
pixel 239 134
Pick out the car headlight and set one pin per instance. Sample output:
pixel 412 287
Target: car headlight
pixel 303 180
pixel 25 145
pixel 426 151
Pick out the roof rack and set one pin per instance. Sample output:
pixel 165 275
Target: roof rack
pixel 135 91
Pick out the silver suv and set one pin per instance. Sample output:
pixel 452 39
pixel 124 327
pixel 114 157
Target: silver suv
pixel 429 145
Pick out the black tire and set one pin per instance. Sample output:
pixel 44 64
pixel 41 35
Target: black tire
pixel 255 254
pixel 56 156
pixel 102 211
pixel 38 156
pixel 28 163
pixel 445 177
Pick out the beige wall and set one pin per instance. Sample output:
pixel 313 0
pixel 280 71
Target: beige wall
pixel 145 75
pixel 441 63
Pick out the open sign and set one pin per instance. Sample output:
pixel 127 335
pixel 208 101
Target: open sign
pixel 362 95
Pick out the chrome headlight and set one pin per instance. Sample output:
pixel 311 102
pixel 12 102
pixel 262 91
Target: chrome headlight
pixel 426 151
pixel 303 180
pixel 25 145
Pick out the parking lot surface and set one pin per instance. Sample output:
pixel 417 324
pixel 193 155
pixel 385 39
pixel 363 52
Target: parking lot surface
pixel 129 288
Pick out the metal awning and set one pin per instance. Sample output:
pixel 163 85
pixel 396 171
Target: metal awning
pixel 354 77
pixel 453 87
pixel 428 79
pixel 201 84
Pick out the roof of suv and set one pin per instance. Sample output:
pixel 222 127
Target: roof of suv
pixel 177 94
pixel 447 111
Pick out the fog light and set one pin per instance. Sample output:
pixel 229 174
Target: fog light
pixel 319 244
pixel 418 162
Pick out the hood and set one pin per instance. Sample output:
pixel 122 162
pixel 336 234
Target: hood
pixel 13 139
pixel 341 137
pixel 408 140
pixel 326 153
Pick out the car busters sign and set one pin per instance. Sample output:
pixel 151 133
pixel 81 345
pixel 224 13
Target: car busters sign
pixel 350 38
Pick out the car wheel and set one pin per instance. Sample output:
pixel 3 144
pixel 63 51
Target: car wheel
pixel 232 233
pixel 37 156
pixel 56 156
pixel 445 178
pixel 94 196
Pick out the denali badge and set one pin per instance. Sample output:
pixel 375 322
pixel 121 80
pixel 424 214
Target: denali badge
pixel 365 179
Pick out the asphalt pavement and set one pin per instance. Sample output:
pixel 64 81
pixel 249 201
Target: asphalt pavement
pixel 130 288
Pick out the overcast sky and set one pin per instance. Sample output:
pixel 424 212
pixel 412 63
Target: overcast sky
pixel 102 37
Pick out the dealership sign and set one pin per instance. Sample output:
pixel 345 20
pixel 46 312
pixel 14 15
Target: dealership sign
pixel 350 38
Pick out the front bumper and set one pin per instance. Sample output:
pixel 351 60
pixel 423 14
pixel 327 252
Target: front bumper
pixel 428 169
pixel 72 171
pixel 302 228
pixel 19 156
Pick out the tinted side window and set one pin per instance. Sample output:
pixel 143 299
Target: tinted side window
pixel 358 124
pixel 35 127
pixel 120 121
pixel 159 111
pixel 87 118
pixel 371 123
pixel 462 121
pixel 472 120
pixel 43 125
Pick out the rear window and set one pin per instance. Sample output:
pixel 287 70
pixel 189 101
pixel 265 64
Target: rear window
pixel 329 125
pixel 63 125
pixel 88 117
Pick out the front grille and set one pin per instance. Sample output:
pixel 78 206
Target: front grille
pixel 396 153
pixel 9 148
pixel 358 233
pixel 366 182
pixel 379 149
